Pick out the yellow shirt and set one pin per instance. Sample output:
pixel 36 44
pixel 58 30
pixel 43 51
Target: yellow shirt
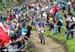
pixel 51 19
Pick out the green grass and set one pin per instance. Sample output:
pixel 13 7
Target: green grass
pixel 8 5
pixel 29 48
pixel 34 28
pixel 71 45
pixel 61 37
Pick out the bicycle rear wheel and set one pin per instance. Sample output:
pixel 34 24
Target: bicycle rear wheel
pixel 42 39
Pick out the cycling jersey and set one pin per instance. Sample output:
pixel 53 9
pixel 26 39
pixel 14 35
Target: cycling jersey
pixel 40 26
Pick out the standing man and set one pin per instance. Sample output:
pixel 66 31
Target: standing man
pixel 59 18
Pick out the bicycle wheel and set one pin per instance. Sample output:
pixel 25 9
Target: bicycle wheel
pixel 43 39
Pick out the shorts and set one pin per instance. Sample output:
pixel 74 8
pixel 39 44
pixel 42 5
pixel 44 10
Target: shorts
pixel 51 26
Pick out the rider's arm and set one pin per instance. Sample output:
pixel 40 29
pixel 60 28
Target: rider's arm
pixel 71 24
pixel 21 38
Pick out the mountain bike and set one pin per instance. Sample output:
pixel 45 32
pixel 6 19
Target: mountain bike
pixel 42 37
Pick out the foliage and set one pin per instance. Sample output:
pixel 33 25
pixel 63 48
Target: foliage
pixel 34 28
pixel 0 1
pixel 30 49
pixel 20 1
pixel 1 7
pixel 61 37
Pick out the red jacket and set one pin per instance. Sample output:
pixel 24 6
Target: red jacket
pixel 57 8
pixel 4 37
pixel 53 10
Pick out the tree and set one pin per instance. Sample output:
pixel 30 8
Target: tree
pixel 0 1
pixel 20 1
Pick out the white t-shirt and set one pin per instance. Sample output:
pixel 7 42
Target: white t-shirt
pixel 73 18
pixel 69 19
pixel 46 7
pixel 69 3
pixel 16 16
pixel 44 14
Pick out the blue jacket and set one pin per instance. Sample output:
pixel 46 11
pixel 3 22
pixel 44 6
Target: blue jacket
pixel 17 11
pixel 63 4
pixel 58 15
pixel 23 31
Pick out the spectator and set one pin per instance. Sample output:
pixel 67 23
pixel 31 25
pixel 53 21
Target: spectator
pixel 73 4
pixel 33 21
pixel 69 26
pixel 69 6
pixel 63 4
pixel 55 25
pixel 70 31
pixel 59 18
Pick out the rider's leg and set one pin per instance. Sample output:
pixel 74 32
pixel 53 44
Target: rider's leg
pixel 55 29
pixel 67 34
pixel 72 33
pixel 59 26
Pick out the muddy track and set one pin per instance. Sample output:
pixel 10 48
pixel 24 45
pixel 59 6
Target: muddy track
pixel 50 46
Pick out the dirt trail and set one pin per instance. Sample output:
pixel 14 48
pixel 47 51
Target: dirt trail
pixel 50 46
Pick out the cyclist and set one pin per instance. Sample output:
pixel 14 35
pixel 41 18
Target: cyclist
pixel 40 28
